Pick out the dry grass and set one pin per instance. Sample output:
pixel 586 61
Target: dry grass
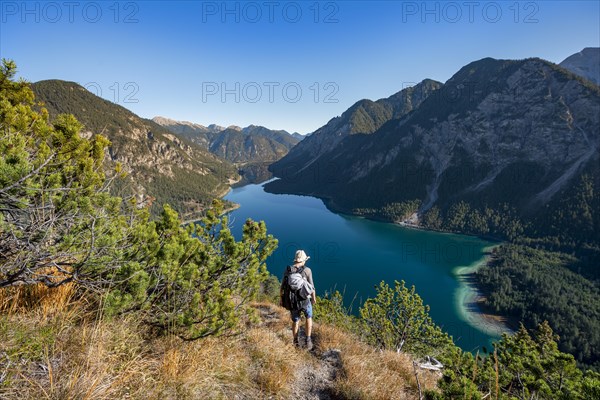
pixel 70 355
pixel 45 300
pixel 213 368
pixel 371 374
pixel 51 349
pixel 275 361
pixel 253 365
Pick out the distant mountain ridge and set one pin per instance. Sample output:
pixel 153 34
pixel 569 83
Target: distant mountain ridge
pixel 160 164
pixel 298 136
pixel 586 63
pixel 498 131
pixel 186 127
pixel 251 144
pixel 252 149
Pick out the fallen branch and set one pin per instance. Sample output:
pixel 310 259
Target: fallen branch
pixel 431 364
pixel 418 383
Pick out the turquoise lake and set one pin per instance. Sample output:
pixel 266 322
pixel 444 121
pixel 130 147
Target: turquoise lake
pixel 353 255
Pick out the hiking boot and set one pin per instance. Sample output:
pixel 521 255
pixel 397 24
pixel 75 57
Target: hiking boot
pixel 309 343
pixel 296 342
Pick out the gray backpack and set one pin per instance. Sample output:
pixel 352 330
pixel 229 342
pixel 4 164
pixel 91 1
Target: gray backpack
pixel 296 289
pixel 299 284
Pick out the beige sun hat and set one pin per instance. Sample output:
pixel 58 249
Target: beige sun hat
pixel 301 256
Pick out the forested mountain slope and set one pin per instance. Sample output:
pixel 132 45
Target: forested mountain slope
pixel 161 165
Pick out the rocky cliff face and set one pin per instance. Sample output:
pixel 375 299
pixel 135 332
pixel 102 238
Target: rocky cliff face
pixel 586 63
pixel 364 117
pixel 498 131
pixel 160 164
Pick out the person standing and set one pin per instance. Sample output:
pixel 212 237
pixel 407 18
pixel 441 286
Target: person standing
pixel 299 266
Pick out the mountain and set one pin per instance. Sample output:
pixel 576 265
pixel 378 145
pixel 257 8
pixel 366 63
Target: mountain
pixel 161 165
pixel 497 132
pixel 364 117
pixel 504 149
pixel 189 129
pixel 239 145
pixel 252 148
pixel 298 136
pixel 586 63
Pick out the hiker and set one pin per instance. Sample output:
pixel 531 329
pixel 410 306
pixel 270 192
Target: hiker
pixel 299 301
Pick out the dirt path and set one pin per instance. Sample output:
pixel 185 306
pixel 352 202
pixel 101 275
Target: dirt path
pixel 314 379
pixel 315 382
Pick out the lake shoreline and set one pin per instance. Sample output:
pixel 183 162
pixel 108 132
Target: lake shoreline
pixel 470 298
pixel 232 207
pixel 370 252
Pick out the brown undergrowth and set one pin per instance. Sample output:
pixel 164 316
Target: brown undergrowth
pixel 53 347
pixel 367 373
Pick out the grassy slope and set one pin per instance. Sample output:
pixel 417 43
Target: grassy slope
pixel 56 350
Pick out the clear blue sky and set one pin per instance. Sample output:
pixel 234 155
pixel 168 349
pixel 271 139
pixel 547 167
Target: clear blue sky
pixel 244 63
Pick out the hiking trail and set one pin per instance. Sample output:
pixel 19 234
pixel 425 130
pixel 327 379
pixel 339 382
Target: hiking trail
pixel 314 379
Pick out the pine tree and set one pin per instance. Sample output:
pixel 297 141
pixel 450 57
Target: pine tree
pixel 523 366
pixel 396 319
pixel 59 224
pixel 56 223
